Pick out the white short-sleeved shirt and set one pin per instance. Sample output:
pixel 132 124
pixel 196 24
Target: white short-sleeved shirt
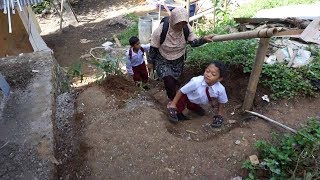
pixel 137 58
pixel 195 89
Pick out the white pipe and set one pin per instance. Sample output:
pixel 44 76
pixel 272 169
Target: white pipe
pixel 159 11
pixel 9 16
pixel 12 6
pixel 4 6
pixel 18 2
pixel 273 121
pixel 201 14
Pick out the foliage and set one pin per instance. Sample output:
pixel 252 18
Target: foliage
pixel 76 70
pixel 286 82
pixel 251 8
pixel 293 156
pixel 40 7
pixel 230 52
pixel 109 65
pixel 125 35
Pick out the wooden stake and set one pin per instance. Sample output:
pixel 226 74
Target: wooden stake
pixel 255 74
pixel 272 121
pixel 117 40
pixel 61 13
pixel 214 14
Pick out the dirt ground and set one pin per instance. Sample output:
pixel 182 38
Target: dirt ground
pixel 124 133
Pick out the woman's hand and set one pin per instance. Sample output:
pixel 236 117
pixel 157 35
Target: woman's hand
pixel 209 38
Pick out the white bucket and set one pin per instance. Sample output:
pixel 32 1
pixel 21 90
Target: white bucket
pixel 155 20
pixel 145 29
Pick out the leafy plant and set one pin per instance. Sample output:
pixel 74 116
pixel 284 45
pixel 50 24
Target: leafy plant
pixel 76 70
pixel 109 65
pixel 125 35
pixel 293 156
pixel 40 7
pixel 286 82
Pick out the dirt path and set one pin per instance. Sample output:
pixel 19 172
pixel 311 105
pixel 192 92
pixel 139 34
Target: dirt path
pixel 136 140
pixel 123 133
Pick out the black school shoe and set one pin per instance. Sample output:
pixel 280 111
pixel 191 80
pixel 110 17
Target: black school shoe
pixel 217 121
pixel 176 117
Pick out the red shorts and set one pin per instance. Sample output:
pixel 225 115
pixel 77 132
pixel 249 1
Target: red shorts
pixel 140 73
pixel 185 102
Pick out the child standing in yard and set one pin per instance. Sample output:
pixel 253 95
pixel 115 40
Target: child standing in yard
pixel 201 90
pixel 135 65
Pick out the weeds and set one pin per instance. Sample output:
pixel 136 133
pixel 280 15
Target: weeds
pixel 76 70
pixel 40 7
pixel 125 35
pixel 110 66
pixel 292 156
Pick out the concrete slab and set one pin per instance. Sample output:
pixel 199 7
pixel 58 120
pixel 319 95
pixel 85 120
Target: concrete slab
pixel 299 11
pixel 26 117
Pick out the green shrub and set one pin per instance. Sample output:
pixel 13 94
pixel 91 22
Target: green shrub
pixel 291 156
pixel 251 8
pixel 38 8
pixel 286 82
pixel 231 52
pixel 125 35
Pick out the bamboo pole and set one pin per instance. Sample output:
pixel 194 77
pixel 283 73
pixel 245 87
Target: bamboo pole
pixel 272 121
pixel 255 74
pixel 263 33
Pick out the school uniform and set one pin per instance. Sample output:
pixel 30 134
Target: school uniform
pixel 135 63
pixel 197 92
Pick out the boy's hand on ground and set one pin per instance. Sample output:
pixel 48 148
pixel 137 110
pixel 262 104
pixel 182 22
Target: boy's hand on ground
pixel 172 106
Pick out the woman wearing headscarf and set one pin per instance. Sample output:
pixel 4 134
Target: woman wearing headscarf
pixel 168 57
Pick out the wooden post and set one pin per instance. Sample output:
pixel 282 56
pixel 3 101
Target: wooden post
pixel 255 74
pixel 188 8
pixel 214 14
pixel 61 13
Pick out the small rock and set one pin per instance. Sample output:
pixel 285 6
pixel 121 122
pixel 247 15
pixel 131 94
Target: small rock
pixel 237 178
pixel 232 121
pixel 170 170
pixel 237 142
pixel 254 159
pixel 192 170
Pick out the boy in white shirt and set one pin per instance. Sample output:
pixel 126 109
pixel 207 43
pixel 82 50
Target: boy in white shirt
pixel 201 90
pixel 135 65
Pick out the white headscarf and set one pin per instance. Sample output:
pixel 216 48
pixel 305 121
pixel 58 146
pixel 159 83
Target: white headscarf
pixel 174 45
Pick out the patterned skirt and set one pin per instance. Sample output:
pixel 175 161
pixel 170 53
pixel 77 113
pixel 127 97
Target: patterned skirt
pixel 166 67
